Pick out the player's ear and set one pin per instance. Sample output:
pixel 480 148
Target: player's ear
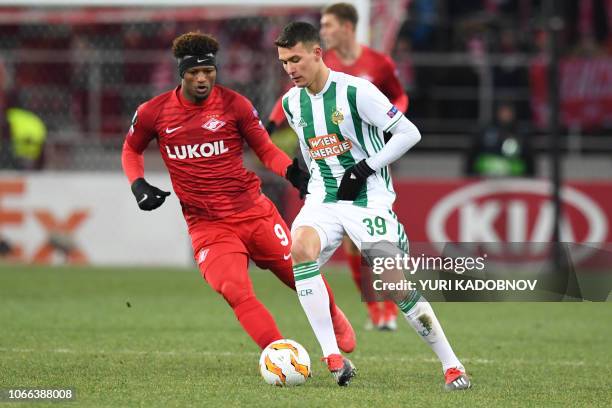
pixel 318 51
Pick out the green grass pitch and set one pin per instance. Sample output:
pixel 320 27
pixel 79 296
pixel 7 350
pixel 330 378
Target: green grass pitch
pixel 179 345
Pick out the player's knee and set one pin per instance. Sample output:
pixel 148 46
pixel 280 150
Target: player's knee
pixel 304 251
pixel 306 245
pixel 233 293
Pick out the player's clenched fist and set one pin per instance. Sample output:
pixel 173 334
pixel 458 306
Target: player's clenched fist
pixel 353 180
pixel 147 196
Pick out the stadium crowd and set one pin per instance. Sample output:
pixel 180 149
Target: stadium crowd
pixel 82 78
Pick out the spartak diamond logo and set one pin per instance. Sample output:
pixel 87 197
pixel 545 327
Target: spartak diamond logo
pixel 213 124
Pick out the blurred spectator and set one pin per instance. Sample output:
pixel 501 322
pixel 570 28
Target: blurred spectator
pixel 28 135
pixel 463 8
pixel 83 78
pixel 502 150
pixel 164 76
pixel 538 79
pixel 421 24
pixel 137 37
pixel 403 63
pixel 510 73
pixel 588 24
pixel 587 27
pixel 587 47
pixel 80 50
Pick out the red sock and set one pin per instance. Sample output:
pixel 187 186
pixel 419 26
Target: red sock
pixel 332 301
pixel 390 309
pixel 354 261
pixel 257 322
pixel 228 276
pixel 374 312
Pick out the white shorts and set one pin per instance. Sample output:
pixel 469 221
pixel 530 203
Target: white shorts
pixel 363 226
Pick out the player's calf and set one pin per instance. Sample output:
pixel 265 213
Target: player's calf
pixel 345 335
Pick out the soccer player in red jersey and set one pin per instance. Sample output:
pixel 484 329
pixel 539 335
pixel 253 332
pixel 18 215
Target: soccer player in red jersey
pixel 200 128
pixel 345 54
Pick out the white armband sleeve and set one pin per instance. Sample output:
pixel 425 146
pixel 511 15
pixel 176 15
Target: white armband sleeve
pixel 376 110
pixel 405 135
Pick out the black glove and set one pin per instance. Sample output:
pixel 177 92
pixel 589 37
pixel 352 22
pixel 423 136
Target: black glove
pixel 298 177
pixel 147 196
pixel 353 180
pixel 387 136
pixel 270 127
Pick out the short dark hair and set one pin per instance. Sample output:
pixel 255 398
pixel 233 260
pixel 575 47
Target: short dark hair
pixel 298 31
pixel 194 43
pixel 343 12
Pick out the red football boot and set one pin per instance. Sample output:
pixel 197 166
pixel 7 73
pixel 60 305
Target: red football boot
pixel 456 379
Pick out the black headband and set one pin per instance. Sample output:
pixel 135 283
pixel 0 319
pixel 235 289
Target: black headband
pixel 190 61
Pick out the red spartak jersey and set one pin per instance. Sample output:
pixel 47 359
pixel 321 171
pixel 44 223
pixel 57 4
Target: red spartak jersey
pixel 372 65
pixel 202 147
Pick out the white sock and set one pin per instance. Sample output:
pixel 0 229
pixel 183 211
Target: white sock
pixel 314 298
pixel 421 317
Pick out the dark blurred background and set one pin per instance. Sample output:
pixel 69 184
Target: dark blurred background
pixel 83 71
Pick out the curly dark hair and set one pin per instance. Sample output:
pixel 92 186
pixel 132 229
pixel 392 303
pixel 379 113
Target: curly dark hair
pixel 194 43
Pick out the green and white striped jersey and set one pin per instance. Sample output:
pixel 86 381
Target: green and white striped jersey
pixel 339 127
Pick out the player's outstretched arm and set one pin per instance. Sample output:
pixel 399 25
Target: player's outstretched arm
pixel 277 161
pixel 137 139
pixel 270 155
pixel 147 196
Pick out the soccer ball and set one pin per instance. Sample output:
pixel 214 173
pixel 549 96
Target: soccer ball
pixel 285 363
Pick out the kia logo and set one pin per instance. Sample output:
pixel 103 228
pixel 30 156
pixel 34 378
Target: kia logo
pixel 514 211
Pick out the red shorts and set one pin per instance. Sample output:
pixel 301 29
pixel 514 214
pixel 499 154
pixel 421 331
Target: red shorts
pixel 259 232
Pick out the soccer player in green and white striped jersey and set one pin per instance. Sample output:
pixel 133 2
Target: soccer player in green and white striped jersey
pixel 339 120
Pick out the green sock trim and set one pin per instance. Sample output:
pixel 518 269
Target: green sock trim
pixel 407 304
pixel 306 275
pixel 305 270
pixel 305 265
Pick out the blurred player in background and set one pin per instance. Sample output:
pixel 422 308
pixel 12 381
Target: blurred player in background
pixel 200 128
pixel 340 120
pixel 345 54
